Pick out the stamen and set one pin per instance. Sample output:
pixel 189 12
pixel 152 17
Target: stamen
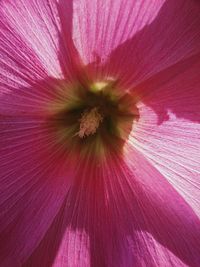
pixel 89 122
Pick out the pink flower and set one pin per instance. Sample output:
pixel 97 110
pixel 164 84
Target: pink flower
pixel 99 133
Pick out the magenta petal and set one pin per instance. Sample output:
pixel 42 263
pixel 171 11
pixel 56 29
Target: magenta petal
pixel 30 40
pixel 28 54
pixel 32 187
pixel 168 131
pixel 33 46
pixel 31 29
pixel 109 24
pixel 140 210
pixel 84 233
pixel 119 47
pixel 121 214
pixel 36 54
pixel 34 101
pixel 167 229
pixel 61 246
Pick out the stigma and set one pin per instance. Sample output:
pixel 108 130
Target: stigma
pixel 89 122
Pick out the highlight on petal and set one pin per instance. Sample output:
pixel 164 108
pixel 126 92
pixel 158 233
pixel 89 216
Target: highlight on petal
pixel 167 229
pixel 137 41
pixel 33 53
pixel 128 194
pixel 168 132
pixel 37 57
pixel 109 23
pixel 33 25
pixel 62 245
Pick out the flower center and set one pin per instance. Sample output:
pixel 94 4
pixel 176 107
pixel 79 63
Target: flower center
pixel 89 122
pixel 94 118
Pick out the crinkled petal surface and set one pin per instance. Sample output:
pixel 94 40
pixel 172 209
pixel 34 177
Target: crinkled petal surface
pixel 34 54
pixel 31 38
pixel 137 209
pixel 109 24
pixel 168 132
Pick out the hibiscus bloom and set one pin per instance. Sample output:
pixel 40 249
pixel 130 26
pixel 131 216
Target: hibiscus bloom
pixel 99 127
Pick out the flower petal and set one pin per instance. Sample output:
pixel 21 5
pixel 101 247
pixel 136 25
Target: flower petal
pixel 33 50
pixel 31 29
pixel 61 246
pixel 35 177
pixel 121 214
pixel 137 41
pixel 109 23
pixel 166 228
pixel 168 129
pixel 86 233
pixel 173 35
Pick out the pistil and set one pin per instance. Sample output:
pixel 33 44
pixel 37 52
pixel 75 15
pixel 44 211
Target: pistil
pixel 89 122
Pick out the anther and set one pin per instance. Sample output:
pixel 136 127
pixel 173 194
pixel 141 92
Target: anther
pixel 89 122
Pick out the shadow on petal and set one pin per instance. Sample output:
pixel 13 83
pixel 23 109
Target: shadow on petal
pixel 160 64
